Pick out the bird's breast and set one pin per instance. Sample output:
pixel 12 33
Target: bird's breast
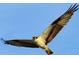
pixel 40 41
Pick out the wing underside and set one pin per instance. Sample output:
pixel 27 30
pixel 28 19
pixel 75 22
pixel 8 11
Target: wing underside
pixel 21 43
pixel 58 24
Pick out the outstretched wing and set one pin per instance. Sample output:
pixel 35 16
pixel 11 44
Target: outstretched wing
pixel 58 24
pixel 21 43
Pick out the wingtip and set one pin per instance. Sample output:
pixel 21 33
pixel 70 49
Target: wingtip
pixel 74 7
pixel 2 40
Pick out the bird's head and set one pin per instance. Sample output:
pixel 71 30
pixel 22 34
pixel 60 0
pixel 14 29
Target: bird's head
pixel 34 37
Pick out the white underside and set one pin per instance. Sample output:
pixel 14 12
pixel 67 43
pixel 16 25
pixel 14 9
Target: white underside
pixel 40 41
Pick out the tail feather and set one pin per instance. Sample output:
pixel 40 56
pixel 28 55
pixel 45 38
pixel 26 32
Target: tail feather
pixel 48 51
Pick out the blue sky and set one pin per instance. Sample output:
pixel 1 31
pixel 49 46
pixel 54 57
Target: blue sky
pixel 27 20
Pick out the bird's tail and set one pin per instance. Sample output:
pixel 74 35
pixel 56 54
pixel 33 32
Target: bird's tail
pixel 48 51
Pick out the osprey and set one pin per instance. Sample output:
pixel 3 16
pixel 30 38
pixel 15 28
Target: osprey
pixel 51 31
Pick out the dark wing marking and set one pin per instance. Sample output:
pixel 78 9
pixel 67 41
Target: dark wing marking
pixel 21 43
pixel 53 32
pixel 58 24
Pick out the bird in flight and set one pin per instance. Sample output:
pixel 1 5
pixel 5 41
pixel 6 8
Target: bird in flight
pixel 48 35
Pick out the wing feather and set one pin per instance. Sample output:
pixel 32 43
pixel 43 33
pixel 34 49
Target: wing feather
pixel 21 43
pixel 59 23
